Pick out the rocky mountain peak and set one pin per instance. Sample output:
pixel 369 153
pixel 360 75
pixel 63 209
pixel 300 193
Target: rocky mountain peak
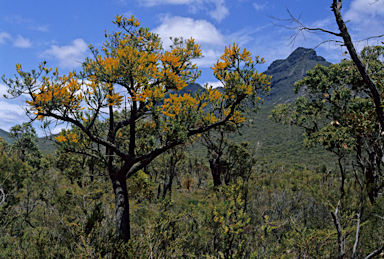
pixel 285 72
pixel 298 55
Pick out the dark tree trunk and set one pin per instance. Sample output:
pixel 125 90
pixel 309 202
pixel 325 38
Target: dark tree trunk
pixel 215 171
pixel 168 186
pixel 342 172
pixel 122 207
pixel 371 178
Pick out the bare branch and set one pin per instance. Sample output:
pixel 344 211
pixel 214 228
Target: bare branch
pixel 376 252
pixel 357 232
pixel 374 2
pixel 338 229
pixel 300 28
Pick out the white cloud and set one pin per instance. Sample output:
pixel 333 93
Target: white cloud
pixel 260 7
pixel 11 113
pixel 21 42
pixel 4 36
pixel 220 12
pixel 210 57
pixel 202 31
pixel 57 129
pixel 3 90
pixel 367 18
pixel 68 56
pixel 359 8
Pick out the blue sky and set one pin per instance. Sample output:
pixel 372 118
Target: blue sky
pixel 59 32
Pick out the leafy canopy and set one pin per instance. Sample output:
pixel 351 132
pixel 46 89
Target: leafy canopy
pixel 124 85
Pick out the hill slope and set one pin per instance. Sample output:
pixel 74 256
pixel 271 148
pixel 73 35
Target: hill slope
pixel 4 135
pixel 276 142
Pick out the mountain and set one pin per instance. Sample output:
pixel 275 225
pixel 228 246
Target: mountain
pixel 277 142
pixel 285 72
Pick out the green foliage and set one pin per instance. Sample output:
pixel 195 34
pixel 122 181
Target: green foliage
pixel 338 112
pixel 140 186
pixel 61 206
pixel 24 144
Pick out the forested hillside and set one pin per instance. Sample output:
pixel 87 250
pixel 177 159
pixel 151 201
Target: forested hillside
pixel 280 164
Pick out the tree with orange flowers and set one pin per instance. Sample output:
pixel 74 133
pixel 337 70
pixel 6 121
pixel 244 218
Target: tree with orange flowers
pixel 118 107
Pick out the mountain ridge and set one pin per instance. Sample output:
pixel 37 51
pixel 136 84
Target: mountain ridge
pixel 285 72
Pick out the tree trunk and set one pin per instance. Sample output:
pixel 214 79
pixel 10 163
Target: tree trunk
pixel 122 207
pixel 336 6
pixel 371 177
pixel 168 186
pixel 215 171
pixel 342 172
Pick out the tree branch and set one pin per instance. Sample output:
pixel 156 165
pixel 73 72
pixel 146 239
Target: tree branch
pixel 376 252
pixel 357 232
pixel 94 138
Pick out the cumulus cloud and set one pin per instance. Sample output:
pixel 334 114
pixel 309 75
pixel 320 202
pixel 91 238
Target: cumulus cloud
pixel 21 42
pixel 367 18
pixel 176 26
pixel 68 56
pixel 202 31
pixel 4 36
pixel 211 55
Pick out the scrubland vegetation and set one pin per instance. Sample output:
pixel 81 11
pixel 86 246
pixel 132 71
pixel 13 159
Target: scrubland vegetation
pixel 147 174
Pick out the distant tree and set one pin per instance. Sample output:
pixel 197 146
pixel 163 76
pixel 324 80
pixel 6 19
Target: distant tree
pixel 133 74
pixel 24 144
pixel 12 174
pixel 172 160
pixel 227 159
pixel 337 113
pixel 216 145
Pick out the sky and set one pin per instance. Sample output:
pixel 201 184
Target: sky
pixel 60 32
